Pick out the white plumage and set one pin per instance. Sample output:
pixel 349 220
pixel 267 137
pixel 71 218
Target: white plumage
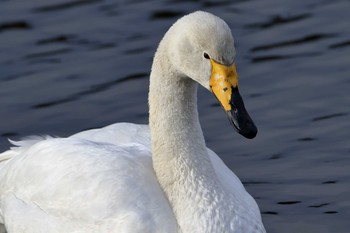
pixel 110 180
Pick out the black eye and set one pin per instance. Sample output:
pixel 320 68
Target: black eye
pixel 206 56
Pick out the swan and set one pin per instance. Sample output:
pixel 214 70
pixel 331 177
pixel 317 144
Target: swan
pixel 129 178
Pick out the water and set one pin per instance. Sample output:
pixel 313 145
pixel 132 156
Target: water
pixel 69 65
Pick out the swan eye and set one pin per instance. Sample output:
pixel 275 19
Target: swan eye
pixel 206 56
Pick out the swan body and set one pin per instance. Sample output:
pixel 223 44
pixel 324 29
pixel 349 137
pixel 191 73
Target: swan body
pixel 129 178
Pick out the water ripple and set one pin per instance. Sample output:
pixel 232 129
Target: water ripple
pixel 330 116
pixel 340 44
pixel 15 25
pixel 278 20
pixel 92 90
pixel 64 6
pixel 305 39
pixel 165 14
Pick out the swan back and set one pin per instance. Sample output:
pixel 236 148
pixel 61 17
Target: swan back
pixel 98 180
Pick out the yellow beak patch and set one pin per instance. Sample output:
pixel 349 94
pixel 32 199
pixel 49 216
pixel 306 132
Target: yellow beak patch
pixel 223 79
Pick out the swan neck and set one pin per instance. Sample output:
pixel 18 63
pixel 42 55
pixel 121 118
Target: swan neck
pixel 180 158
pixel 176 134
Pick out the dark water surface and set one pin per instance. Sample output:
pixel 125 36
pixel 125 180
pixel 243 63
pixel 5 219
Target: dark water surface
pixel 66 66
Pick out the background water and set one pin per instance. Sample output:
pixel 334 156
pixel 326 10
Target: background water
pixel 69 65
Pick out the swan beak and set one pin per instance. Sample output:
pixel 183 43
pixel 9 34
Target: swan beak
pixel 224 85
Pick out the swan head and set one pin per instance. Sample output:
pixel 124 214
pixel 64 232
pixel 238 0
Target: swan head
pixel 202 48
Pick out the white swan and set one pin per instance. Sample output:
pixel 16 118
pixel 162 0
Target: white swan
pixel 103 181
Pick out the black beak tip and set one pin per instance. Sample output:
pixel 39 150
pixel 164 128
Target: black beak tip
pixel 244 126
pixel 249 132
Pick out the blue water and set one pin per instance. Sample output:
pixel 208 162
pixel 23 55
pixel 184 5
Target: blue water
pixel 70 65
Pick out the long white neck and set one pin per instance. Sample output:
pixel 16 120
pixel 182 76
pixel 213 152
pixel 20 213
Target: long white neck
pixel 180 157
